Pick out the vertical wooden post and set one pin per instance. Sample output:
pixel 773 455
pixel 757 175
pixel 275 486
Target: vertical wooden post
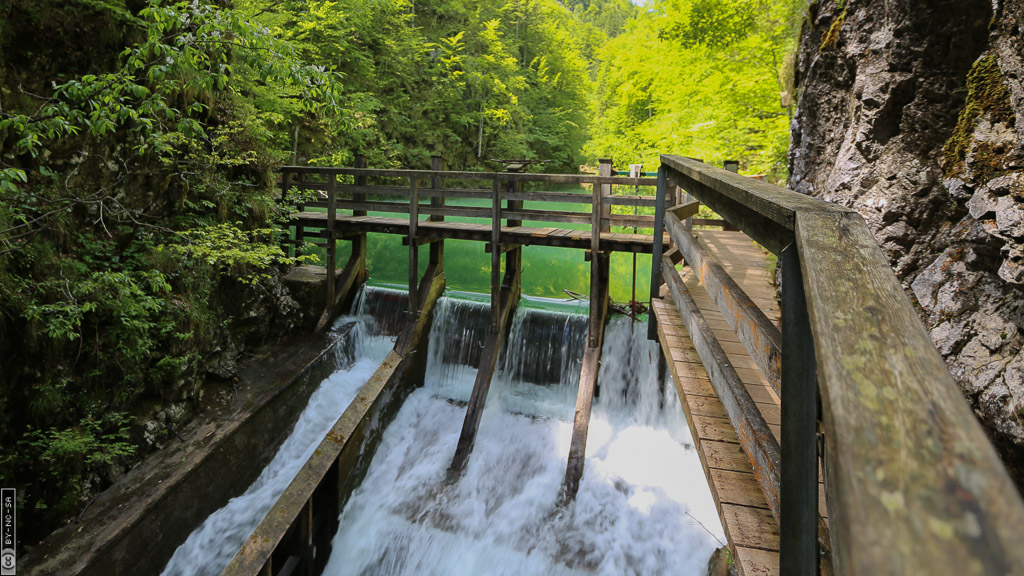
pixel 436 183
pixel 285 184
pixel 332 212
pixel 656 250
pixel 414 249
pixel 604 168
pixel 598 260
pixel 734 167
pixel 305 537
pixel 495 254
pixel 513 256
pixel 798 553
pixel 300 230
pixel 360 162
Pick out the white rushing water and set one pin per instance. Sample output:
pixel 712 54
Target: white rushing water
pixel 643 506
pixel 210 547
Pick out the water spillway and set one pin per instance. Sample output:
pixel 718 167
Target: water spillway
pixel 643 506
pixel 367 339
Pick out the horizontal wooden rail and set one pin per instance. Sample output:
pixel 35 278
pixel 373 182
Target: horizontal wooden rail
pixel 912 483
pixel 759 336
pixel 452 174
pixel 471 193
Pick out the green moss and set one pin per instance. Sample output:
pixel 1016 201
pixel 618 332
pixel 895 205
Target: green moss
pixel 829 40
pixel 986 94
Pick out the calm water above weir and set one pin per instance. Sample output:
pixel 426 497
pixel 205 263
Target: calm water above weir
pixel 643 505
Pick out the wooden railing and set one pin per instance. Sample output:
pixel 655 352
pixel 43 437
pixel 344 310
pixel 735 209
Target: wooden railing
pixel 500 195
pixel 408 198
pixel 913 486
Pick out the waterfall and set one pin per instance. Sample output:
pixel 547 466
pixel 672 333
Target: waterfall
pixel 643 506
pixel 456 341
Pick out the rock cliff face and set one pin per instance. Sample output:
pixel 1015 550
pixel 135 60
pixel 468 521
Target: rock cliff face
pixel 912 113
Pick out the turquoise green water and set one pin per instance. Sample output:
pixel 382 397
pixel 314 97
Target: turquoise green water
pixel 547 271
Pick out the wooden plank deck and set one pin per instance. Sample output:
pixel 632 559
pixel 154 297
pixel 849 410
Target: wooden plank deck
pixel 749 526
pixel 524 235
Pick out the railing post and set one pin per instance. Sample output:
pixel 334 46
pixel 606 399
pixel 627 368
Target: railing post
pixel 598 262
pixel 734 167
pixel 496 254
pixel 798 555
pixel 656 250
pixel 414 249
pixel 604 168
pixel 299 229
pixel 359 162
pixel 514 256
pixel 436 248
pixel 332 212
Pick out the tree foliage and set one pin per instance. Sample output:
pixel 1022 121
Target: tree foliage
pixel 703 78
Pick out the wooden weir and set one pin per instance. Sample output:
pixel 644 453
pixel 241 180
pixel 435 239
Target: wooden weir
pixel 838 444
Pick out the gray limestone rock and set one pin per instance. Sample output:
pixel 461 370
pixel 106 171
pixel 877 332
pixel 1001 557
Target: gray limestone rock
pixel 912 113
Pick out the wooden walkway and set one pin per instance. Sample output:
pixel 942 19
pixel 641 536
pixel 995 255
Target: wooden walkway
pixel 749 525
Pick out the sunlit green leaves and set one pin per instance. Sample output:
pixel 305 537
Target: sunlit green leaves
pixel 700 78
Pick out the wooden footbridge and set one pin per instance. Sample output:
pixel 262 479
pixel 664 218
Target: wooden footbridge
pixel 837 444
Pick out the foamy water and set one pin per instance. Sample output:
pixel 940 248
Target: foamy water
pixel 643 506
pixel 210 547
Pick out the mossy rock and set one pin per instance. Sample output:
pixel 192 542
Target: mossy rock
pixel 986 95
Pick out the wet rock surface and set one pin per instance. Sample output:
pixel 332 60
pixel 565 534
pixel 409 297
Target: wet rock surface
pixel 912 113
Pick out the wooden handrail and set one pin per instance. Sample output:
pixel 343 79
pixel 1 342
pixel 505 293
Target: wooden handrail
pixel 912 483
pixel 455 174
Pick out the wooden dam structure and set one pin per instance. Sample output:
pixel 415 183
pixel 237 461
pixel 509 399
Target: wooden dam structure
pixel 830 431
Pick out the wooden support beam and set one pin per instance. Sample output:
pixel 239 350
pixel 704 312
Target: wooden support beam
pixel 674 255
pixel 504 248
pixel 754 434
pixel 599 273
pixel 512 206
pixel 686 209
pixel 488 360
pixel 422 241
